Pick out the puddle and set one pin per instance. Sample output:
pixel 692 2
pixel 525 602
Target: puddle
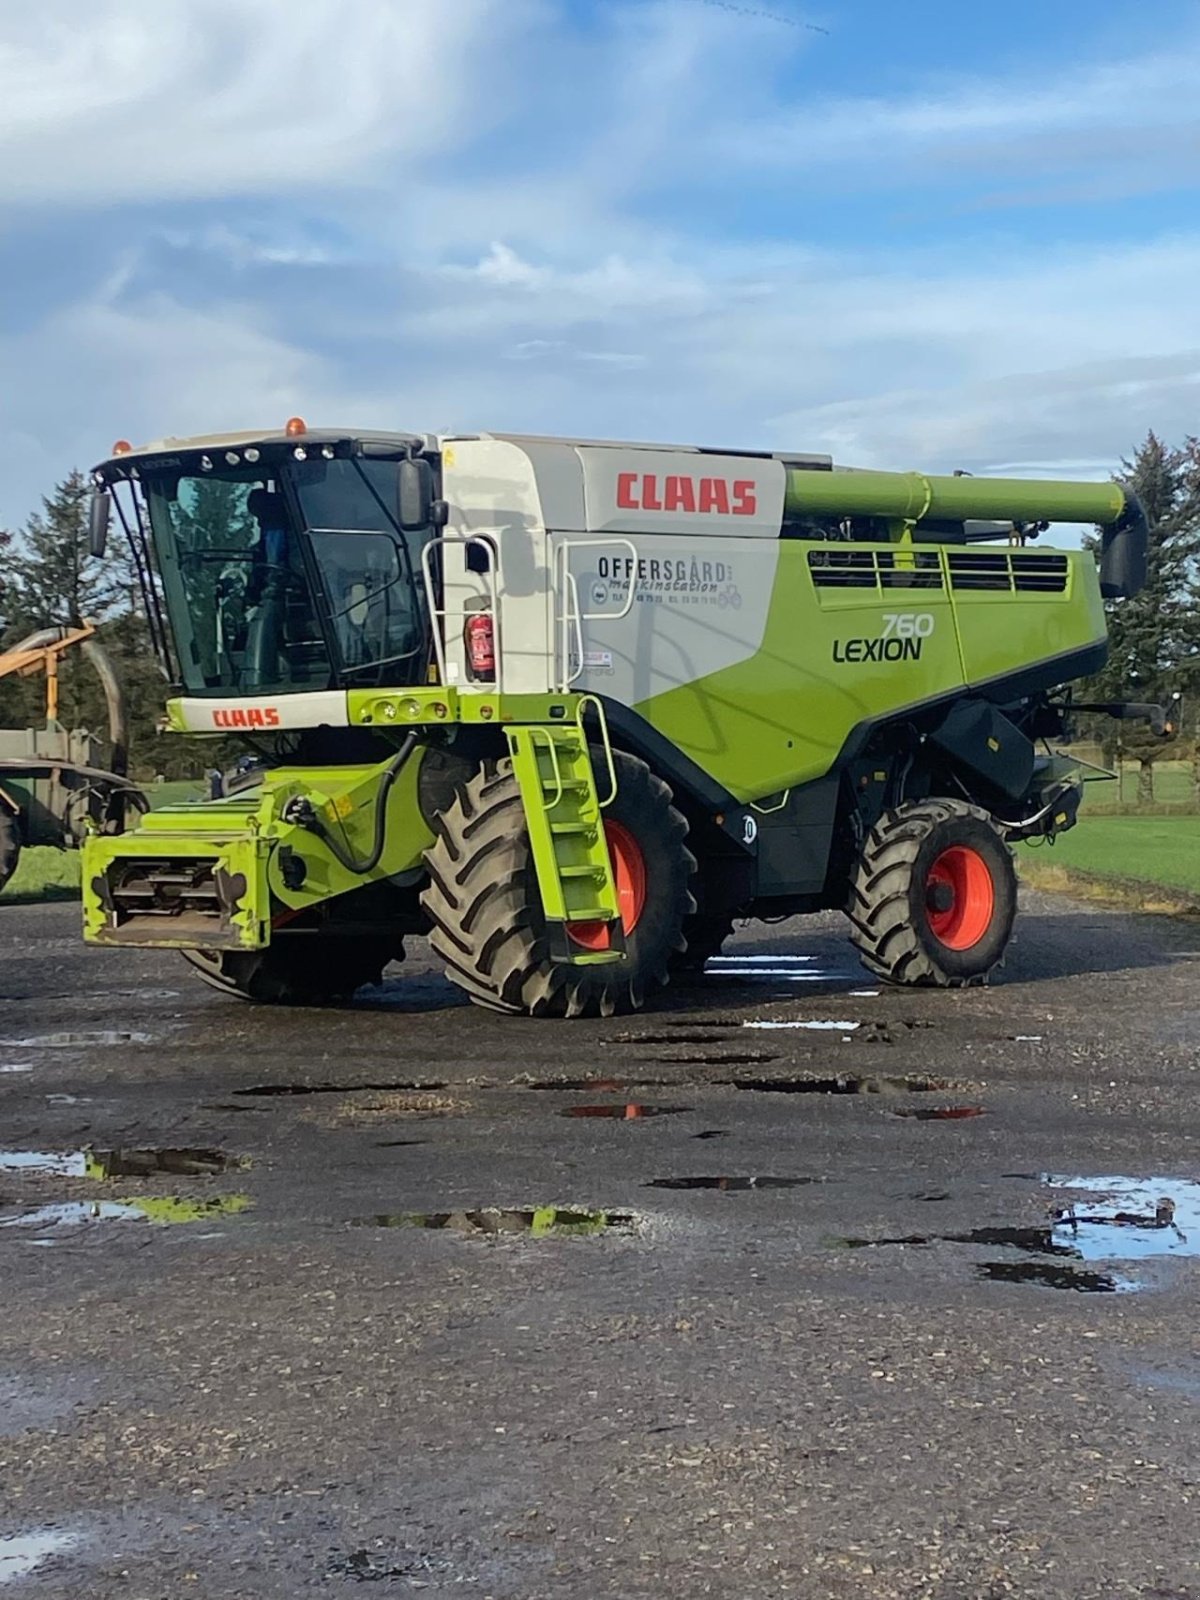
pixel 940 1113
pixel 844 1027
pixel 842 1083
pixel 721 1058
pixel 865 994
pixel 731 1185
pixel 397 1144
pixel 17 1066
pixel 341 1088
pixel 161 1209
pixel 712 1133
pixel 1025 1038
pixel 1128 1219
pixel 1048 1275
pixel 602 1085
pixel 68 1100
pixel 116 1163
pixel 675 1038
pixel 540 1222
pixel 62 1041
pixel 23 1553
pixel 631 1111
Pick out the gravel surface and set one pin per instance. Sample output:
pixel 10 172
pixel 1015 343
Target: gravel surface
pixel 896 1370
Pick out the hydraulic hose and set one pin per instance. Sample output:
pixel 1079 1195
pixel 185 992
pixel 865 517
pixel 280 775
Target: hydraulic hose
pixel 300 812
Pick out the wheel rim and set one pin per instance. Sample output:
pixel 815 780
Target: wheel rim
pixel 960 897
pixel 629 870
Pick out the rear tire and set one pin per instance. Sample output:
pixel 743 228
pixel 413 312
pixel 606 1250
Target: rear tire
pixel 934 895
pixel 488 924
pixel 296 970
pixel 10 844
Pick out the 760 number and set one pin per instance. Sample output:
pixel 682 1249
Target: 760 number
pixel 907 624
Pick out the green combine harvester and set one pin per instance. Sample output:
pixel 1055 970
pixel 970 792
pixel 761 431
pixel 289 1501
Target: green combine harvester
pixel 570 708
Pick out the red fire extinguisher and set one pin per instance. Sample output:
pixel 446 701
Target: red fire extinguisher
pixel 481 647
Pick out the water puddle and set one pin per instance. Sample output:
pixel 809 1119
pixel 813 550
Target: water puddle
pixel 731 1185
pixel 820 1027
pixel 722 1058
pixel 23 1553
pixel 340 1088
pixel 675 1038
pixel 1106 1220
pixel 1048 1275
pixel 89 1163
pixel 397 1144
pixel 16 1066
pixel 1128 1219
pixel 940 1113
pixel 631 1111
pixel 599 1085
pixel 539 1222
pixel 841 1083
pixel 712 1133
pixel 159 1209
pixel 64 1041
pixel 772 969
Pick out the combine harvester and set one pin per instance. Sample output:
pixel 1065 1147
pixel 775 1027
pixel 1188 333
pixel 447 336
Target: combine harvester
pixel 571 707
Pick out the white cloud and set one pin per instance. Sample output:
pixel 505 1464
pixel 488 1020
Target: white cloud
pixel 140 100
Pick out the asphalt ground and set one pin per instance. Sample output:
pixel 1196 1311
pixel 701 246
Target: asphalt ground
pixel 257 1389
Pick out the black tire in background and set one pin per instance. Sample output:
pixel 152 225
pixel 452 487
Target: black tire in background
pixel 296 969
pixel 900 895
pixel 10 844
pixel 486 911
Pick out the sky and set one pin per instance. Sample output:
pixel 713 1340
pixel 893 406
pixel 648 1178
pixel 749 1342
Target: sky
pixel 911 233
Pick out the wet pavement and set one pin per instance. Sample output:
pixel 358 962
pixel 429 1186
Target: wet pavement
pixel 759 1294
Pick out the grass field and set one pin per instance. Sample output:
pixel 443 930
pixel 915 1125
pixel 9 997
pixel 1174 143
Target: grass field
pixel 1153 849
pixel 47 874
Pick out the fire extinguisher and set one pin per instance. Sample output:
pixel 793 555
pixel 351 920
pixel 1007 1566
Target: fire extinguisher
pixel 481 647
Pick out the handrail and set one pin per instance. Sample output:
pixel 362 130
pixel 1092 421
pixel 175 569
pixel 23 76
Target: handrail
pixel 559 787
pixel 586 700
pixel 438 614
pixel 568 595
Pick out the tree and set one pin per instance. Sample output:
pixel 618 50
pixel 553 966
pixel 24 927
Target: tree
pixel 1154 638
pixel 51 579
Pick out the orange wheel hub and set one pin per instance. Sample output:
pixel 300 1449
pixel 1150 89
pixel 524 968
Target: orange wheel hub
pixel 629 870
pixel 960 897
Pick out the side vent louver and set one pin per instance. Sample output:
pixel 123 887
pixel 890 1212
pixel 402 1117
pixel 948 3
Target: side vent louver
pixel 874 569
pixel 1007 570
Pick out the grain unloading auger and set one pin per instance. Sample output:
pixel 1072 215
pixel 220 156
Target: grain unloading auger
pixel 572 707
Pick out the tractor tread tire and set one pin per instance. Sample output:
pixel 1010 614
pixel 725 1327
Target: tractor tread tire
pixel 486 918
pixel 882 909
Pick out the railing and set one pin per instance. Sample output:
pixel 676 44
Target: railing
pixel 438 614
pixel 570 619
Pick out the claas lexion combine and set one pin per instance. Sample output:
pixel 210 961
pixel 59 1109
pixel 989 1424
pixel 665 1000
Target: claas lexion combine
pixel 572 707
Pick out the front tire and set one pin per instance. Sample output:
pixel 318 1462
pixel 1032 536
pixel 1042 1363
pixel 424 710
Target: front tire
pixel 488 924
pixel 934 895
pixel 295 970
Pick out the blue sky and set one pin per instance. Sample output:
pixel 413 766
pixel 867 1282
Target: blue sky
pixel 914 233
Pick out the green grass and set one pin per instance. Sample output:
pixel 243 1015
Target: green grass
pixel 1151 849
pixel 1173 787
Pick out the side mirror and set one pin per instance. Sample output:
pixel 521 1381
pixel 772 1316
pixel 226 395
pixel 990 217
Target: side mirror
pixel 414 494
pixel 99 514
pixel 1123 553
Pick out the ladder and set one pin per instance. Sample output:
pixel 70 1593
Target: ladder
pixel 552 764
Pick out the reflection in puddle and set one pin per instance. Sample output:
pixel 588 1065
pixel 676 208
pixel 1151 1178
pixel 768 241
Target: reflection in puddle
pixel 341 1088
pixel 116 1163
pixel 62 1041
pixel 940 1113
pixel 631 1111
pixel 841 1083
pixel 843 1027
pixel 539 1221
pixel 162 1209
pixel 1048 1275
pixel 731 1185
pixel 1129 1219
pixel 23 1553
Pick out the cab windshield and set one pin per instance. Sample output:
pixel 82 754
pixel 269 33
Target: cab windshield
pixel 289 577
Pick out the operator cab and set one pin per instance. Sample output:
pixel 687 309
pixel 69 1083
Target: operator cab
pixel 279 564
